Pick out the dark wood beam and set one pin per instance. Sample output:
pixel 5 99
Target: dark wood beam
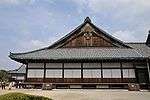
pixel 136 72
pixel 26 72
pixel 44 72
pixel 148 67
pixel 102 71
pixel 63 70
pixel 121 71
pixel 82 70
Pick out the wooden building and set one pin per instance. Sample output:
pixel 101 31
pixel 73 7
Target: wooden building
pixel 18 75
pixel 88 57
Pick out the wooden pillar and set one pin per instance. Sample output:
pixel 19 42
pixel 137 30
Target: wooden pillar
pixel 82 70
pixel 63 70
pixel 44 72
pixel 26 72
pixel 121 71
pixel 101 71
pixel 136 72
pixel 148 67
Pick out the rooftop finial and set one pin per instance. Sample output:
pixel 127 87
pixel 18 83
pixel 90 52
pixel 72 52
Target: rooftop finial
pixel 87 19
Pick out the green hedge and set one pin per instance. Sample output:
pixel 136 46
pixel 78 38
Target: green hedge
pixel 21 96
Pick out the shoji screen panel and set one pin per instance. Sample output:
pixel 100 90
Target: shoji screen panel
pixel 91 73
pixel 53 73
pixel 72 73
pixel 128 73
pixel 116 73
pixel 107 73
pixel 111 73
pixel 35 73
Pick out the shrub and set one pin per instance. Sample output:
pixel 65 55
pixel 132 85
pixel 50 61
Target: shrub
pixel 21 96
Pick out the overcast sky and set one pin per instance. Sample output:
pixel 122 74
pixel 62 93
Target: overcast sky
pixel 31 24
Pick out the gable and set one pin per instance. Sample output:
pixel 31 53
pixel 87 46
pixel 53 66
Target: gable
pixel 88 35
pixel 88 38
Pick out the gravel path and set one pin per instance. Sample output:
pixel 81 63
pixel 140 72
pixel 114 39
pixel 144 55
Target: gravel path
pixel 86 94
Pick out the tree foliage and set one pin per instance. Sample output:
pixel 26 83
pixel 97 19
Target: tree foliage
pixel 4 76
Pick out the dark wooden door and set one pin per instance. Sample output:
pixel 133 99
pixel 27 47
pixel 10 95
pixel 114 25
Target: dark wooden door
pixel 142 76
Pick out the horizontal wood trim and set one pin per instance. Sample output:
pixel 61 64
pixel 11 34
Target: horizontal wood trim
pixel 34 79
pixel 84 80
pixel 87 68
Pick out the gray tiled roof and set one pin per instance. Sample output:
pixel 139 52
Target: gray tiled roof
pixel 79 53
pixel 21 70
pixel 142 48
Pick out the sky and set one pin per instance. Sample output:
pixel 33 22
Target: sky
pixel 27 25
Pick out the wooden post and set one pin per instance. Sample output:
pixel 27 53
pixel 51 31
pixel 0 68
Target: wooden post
pixel 26 72
pixel 63 70
pixel 121 72
pixel 44 72
pixel 147 61
pixel 136 73
pixel 82 70
pixel 102 71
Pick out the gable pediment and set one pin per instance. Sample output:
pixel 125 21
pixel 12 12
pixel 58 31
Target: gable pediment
pixel 88 35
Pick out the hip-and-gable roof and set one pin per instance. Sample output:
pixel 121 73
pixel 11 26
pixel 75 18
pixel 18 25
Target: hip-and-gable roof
pixel 86 42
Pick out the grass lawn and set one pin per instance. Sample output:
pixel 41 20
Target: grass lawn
pixel 21 96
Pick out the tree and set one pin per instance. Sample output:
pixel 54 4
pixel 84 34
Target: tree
pixel 4 76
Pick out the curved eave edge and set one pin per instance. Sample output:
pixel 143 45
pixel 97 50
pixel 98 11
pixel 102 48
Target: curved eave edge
pixel 105 58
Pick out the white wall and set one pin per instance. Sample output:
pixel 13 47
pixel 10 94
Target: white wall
pixel 72 65
pixel 127 65
pixel 91 65
pixel 53 65
pixel 111 65
pixel 35 65
pixel 35 73
pixel 53 73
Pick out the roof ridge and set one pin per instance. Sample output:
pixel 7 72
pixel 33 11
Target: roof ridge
pixel 67 35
